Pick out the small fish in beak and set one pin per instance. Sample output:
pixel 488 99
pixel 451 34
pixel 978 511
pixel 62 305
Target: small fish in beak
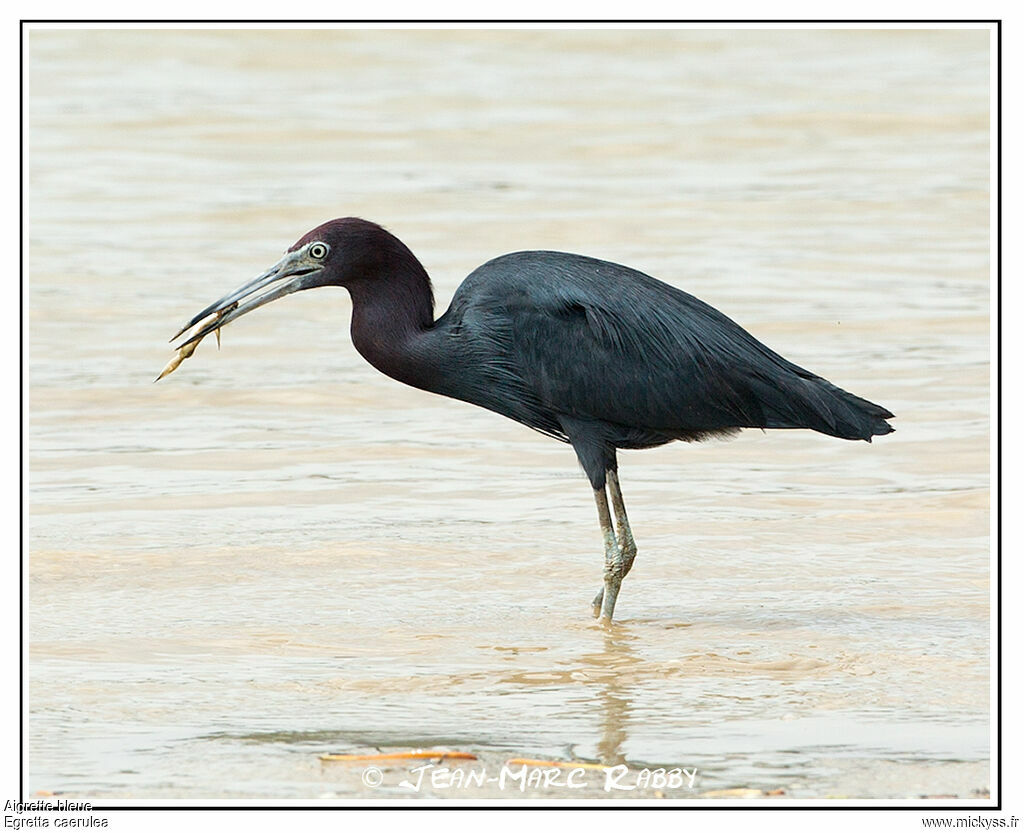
pixel 189 347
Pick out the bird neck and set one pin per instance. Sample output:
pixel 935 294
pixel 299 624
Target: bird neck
pixel 392 315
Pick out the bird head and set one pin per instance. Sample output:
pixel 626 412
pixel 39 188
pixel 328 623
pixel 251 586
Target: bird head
pixel 339 253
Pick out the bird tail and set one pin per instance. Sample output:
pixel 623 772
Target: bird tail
pixel 815 403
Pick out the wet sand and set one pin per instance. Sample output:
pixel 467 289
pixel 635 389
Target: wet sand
pixel 278 553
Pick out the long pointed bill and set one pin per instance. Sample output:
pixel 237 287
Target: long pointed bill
pixel 290 274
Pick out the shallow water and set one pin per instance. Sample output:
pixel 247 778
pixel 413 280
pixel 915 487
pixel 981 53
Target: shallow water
pixel 277 552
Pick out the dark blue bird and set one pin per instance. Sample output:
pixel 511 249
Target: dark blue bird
pixel 588 352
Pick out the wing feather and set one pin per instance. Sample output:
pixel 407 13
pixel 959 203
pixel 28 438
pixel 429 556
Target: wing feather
pixel 595 340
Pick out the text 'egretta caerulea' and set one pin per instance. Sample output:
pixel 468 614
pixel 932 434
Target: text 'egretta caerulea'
pixel 588 352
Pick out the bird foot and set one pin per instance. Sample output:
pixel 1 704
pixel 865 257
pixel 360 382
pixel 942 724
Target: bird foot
pixel 598 604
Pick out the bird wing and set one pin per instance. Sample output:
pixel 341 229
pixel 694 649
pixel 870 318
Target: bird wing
pixel 595 340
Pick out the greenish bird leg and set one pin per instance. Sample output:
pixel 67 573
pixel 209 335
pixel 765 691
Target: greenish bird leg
pixel 624 543
pixel 613 564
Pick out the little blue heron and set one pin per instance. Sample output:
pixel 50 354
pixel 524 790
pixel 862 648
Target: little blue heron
pixel 586 351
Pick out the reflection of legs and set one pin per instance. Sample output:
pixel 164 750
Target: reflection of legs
pixel 625 543
pixel 614 567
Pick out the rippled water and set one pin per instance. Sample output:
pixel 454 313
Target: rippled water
pixel 277 552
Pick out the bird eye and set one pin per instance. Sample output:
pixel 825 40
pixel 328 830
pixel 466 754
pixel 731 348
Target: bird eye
pixel 318 251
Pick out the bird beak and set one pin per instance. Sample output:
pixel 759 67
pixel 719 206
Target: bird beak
pixel 297 265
